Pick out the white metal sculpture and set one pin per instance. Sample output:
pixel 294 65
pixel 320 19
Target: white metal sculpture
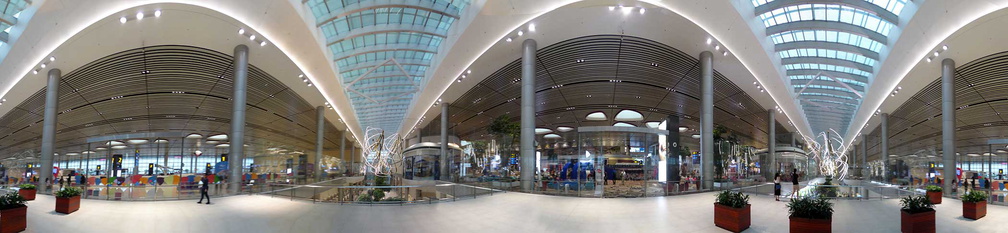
pixel 382 152
pixel 831 157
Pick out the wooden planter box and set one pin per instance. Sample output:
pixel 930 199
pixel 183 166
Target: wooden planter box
pixel 28 194
pixel 935 197
pixel 13 220
pixel 807 225
pixel 67 205
pixel 919 222
pixel 732 219
pixel 975 210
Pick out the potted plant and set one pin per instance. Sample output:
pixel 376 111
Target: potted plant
pixel 732 211
pixel 934 193
pixel 12 213
pixel 810 214
pixel 917 214
pixel 27 191
pixel 68 200
pixel 974 204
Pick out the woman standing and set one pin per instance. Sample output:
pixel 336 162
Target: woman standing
pixel 794 182
pixel 776 186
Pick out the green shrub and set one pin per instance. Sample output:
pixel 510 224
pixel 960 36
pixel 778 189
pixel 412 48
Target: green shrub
pixel 11 200
pixel 68 192
pixel 364 197
pixel 27 186
pixel 378 194
pixel 933 188
pixel 974 196
pixel 916 204
pixel 810 207
pixel 826 189
pixel 732 199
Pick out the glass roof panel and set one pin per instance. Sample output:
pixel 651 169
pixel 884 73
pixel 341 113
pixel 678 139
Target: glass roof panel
pixel 826 12
pixel 350 28
pixel 824 78
pixel 827 53
pixel 826 67
pixel 827 36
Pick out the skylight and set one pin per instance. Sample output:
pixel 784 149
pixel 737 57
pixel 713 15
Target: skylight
pixel 827 53
pixel 826 12
pixel 827 36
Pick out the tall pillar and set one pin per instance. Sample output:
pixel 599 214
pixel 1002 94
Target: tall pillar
pixel 770 166
pixel 443 169
pixel 884 136
pixel 948 124
pixel 865 173
pixel 528 114
pixel 49 129
pixel 342 149
pixel 353 157
pixel 707 118
pixel 238 118
pixel 319 140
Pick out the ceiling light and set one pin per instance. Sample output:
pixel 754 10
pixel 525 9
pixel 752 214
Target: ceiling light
pixel 626 10
pixel 725 53
pixel 929 59
pixel 52 58
pixel 944 47
pixel 520 33
pixel 300 75
pixel 241 31
pixel 641 10
pixel 34 71
pixel 139 15
pixel 936 54
pixel 468 71
pixel 43 65
pixel 122 19
pixel 252 37
pixel 612 8
pixel 262 43
pixel 708 41
pixel 508 39
pixel 157 13
pixel 531 27
pixel 309 84
pixel 717 47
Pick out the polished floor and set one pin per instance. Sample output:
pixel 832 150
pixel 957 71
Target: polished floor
pixel 507 212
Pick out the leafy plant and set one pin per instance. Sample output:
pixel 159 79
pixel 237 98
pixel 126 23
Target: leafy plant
pixel 364 197
pixel 974 196
pixel 27 186
pixel 916 204
pixel 504 126
pixel 378 194
pixel 810 207
pixel 732 199
pixel 68 192
pixel 11 200
pixel 933 188
pixel 826 189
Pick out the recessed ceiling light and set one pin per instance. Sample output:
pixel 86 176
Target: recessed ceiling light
pixel 140 15
pixel 468 71
pixel 262 43
pixel 508 39
pixel 612 8
pixel 520 33
pixel 252 37
pixel 241 31
pixel 708 41
pixel 929 59
pixel 717 47
pixel 157 13
pixel 52 58
pixel 944 47
pixel 936 54
pixel 531 27
pixel 43 65
pixel 34 71
pixel 122 19
pixel 641 10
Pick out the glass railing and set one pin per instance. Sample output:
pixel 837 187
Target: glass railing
pixel 378 195
pixel 849 190
pixel 609 188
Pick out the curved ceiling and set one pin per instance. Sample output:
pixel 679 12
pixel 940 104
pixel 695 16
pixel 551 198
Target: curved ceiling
pixel 830 51
pixel 166 88
pixel 608 75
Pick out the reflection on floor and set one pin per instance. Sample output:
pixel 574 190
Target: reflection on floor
pixel 508 212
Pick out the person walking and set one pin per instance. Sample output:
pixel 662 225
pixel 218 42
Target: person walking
pixel 776 186
pixel 794 182
pixel 203 190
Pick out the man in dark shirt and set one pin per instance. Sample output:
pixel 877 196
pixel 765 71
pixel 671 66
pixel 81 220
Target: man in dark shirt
pixel 203 190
